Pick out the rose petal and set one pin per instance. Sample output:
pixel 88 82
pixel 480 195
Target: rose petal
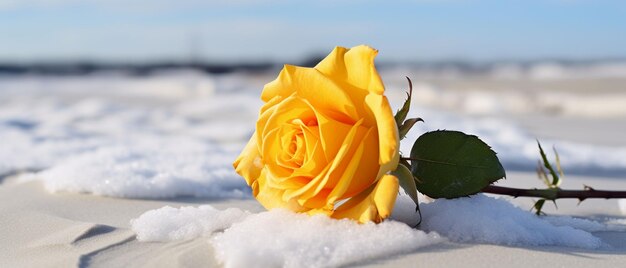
pixel 354 66
pixel 290 108
pixel 373 204
pixel 332 134
pixel 249 163
pixel 270 148
pixel 310 84
pixel 366 172
pixel 314 164
pixel 348 177
pixel 388 139
pixel 271 197
pixel 385 195
pixel 342 179
pixel 317 184
pixel 325 134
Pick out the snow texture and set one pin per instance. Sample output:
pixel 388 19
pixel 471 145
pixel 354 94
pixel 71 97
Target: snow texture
pixel 132 137
pixel 483 219
pixel 622 206
pixel 177 133
pixel 280 238
pixel 185 223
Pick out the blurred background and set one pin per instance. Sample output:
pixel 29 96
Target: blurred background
pixel 176 84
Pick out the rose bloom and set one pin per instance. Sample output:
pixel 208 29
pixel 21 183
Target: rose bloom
pixel 325 140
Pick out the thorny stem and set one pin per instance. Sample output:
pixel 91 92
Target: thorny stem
pixel 549 194
pixel 553 194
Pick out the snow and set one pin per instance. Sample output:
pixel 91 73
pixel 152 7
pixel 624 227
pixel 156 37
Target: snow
pixel 148 168
pixel 519 97
pixel 483 219
pixel 587 225
pixel 185 223
pixel 516 148
pixel 280 238
pixel 176 133
pixel 133 137
pixel 622 206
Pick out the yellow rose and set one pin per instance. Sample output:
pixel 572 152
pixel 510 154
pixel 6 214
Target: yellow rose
pixel 325 137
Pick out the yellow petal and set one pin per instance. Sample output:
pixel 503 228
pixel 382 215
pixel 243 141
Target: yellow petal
pixel 374 204
pixel 271 197
pixel 342 179
pixel 347 178
pixel 364 174
pixel 314 164
pixel 333 133
pixel 312 141
pixel 385 195
pixel 319 182
pixel 249 163
pixel 270 149
pixel 388 139
pixel 293 193
pixel 354 66
pixel 270 104
pixel 290 108
pixel 308 83
pixel 356 171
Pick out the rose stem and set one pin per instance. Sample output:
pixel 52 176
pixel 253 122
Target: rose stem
pixel 550 194
pixel 553 194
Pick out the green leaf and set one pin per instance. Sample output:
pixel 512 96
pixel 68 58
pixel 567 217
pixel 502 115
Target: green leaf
pixel 558 164
pixel 404 111
pixel 538 206
pixel 541 173
pixel 452 164
pixel 546 163
pixel 407 182
pixel 408 124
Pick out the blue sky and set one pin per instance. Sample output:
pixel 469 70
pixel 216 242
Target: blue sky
pixel 145 30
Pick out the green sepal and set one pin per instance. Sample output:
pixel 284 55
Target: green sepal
pixel 407 125
pixel 404 111
pixel 407 182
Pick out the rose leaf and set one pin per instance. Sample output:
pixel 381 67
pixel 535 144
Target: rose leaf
pixel 451 164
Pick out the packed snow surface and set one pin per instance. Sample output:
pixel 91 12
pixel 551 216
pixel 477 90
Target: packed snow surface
pixel 281 238
pixel 484 219
pixel 133 137
pixel 177 133
pixel 168 223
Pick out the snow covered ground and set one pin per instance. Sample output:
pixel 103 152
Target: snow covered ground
pixel 176 134
pixel 281 238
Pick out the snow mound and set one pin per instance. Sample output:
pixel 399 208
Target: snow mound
pixel 281 238
pixel 168 223
pixel 148 168
pixel 483 219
